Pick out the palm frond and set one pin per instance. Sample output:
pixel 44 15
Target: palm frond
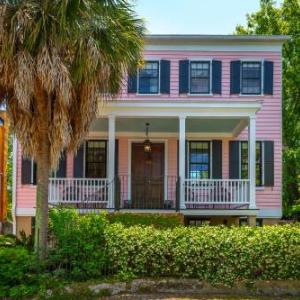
pixel 58 60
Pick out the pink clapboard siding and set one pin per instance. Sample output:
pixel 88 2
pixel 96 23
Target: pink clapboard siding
pixel 225 57
pixel 25 194
pixel 268 125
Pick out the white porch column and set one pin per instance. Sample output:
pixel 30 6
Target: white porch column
pixel 182 160
pixel 252 160
pixel 111 158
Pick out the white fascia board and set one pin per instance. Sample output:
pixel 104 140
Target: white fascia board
pixel 270 213
pixel 220 212
pixel 200 38
pixel 140 134
pixel 221 109
pixel 216 47
pixel 25 212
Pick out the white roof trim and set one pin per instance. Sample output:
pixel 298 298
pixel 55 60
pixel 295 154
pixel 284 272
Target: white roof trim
pixel 190 42
pixel 151 38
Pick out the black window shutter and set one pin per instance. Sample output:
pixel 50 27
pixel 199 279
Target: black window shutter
pixel 234 159
pixel 217 159
pixel 116 157
pixel 26 171
pixel 187 159
pixel 132 83
pixel 269 163
pixel 268 77
pixel 183 76
pixel 62 166
pixel 178 158
pixel 78 162
pixel 217 77
pixel 165 76
pixel 235 77
pixel 34 175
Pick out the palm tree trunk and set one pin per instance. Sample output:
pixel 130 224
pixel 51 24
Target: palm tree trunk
pixel 43 107
pixel 41 224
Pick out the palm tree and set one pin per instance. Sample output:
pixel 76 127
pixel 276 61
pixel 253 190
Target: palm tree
pixel 58 59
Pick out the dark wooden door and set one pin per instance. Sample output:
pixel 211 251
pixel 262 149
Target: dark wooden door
pixel 147 176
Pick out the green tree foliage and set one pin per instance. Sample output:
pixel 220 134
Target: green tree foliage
pixel 284 19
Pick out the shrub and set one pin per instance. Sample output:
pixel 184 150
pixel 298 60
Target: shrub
pixel 78 243
pixel 159 221
pixel 88 246
pixel 216 254
pixel 7 240
pixel 18 272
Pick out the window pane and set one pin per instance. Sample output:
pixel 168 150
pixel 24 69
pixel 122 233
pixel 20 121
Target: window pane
pixel 251 78
pixel 251 86
pixel 149 78
pixel 200 85
pixel 200 77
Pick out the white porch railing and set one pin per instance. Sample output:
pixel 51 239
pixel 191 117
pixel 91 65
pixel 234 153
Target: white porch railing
pixel 216 191
pixel 90 193
pixel 80 191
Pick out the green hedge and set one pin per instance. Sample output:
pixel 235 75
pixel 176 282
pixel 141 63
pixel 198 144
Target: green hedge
pixel 215 254
pixel 89 247
pixel 159 221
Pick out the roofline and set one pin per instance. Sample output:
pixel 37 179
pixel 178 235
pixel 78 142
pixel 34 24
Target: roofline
pixel 197 38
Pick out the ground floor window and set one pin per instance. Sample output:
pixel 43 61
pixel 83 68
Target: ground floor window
pixel 95 159
pixel 244 222
pixel 199 160
pixel 198 222
pixel 245 162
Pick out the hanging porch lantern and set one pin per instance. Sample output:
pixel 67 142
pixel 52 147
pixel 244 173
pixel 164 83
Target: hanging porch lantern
pixel 147 144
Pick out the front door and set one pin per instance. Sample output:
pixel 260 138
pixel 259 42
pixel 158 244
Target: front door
pixel 147 176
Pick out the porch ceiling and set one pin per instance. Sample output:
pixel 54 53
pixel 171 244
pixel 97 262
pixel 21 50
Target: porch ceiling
pixel 230 126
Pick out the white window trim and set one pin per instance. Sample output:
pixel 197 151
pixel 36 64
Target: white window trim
pixel 138 79
pixel 262 186
pixel 261 61
pixel 188 155
pixel 210 75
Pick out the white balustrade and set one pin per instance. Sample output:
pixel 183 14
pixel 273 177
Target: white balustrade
pixel 79 190
pixel 217 191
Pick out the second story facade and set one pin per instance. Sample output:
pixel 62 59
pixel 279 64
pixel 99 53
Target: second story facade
pixel 207 67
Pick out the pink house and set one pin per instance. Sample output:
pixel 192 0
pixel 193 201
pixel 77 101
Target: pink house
pixel 197 131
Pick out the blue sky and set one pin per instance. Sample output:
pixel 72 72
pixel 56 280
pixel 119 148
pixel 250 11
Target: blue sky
pixel 194 16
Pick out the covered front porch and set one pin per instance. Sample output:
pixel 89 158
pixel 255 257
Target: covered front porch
pixel 185 169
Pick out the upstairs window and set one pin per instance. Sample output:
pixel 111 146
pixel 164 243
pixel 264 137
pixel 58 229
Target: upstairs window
pixel 251 79
pixel 148 78
pixel 200 77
